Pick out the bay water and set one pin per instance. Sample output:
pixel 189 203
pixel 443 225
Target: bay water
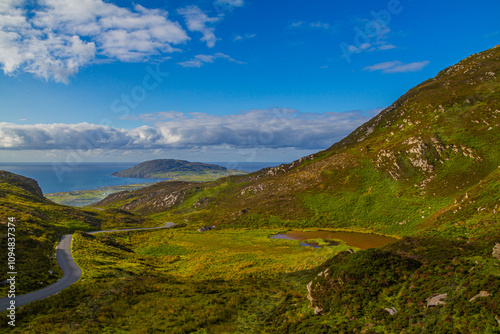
pixel 62 177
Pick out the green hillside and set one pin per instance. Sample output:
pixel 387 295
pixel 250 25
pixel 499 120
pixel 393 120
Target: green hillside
pixel 398 174
pixel 39 225
pixel 425 169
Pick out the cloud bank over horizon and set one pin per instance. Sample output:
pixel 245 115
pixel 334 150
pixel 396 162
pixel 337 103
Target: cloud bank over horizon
pixel 275 128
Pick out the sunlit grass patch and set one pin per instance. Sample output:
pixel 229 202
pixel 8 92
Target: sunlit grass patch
pixel 230 254
pixel 75 225
pixel 163 249
pixel 180 281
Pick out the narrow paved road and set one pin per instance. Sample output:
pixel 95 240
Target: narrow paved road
pixel 71 271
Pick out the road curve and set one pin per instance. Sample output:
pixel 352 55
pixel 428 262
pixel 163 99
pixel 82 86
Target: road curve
pixel 71 271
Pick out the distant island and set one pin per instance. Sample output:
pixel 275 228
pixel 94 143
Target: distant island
pixel 178 169
pixel 175 170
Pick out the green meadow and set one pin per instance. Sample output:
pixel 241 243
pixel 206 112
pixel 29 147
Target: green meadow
pixel 178 281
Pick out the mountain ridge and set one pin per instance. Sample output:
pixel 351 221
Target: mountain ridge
pixel 416 157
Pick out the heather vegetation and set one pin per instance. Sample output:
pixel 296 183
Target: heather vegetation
pixel 356 291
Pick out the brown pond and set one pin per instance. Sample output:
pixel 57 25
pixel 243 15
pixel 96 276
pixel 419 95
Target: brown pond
pixel 353 239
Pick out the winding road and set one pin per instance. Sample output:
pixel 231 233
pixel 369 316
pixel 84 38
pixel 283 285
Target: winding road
pixel 71 271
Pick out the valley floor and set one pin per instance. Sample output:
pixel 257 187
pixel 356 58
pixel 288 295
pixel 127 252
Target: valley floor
pixel 178 281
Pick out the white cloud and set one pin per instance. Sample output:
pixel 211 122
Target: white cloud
pixel 311 25
pixel 191 63
pixel 356 49
pixel 234 3
pixel 411 67
pixel 376 41
pixel 197 21
pixel 55 38
pixel 368 47
pixel 384 46
pixel 382 66
pixel 297 24
pixel 243 37
pixel 200 60
pixel 226 57
pixel 397 67
pixel 258 128
pixel 320 25
pixel 205 58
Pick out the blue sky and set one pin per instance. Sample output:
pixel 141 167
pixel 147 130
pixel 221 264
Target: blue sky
pixel 219 80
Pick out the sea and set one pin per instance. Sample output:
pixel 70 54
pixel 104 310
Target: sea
pixel 63 177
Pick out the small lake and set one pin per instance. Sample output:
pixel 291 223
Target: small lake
pixel 353 239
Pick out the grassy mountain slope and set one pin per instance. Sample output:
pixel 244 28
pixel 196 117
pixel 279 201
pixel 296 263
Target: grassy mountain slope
pixel 355 292
pixel 158 197
pixel 39 225
pixel 398 173
pixel 426 168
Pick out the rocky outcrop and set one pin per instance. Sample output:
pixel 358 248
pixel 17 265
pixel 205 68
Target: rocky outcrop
pixel 206 228
pixel 481 294
pixel 417 152
pixel 391 310
pixel 283 168
pixel 496 252
pixel 156 202
pixel 156 198
pixel 436 300
pixel 253 189
pixel 202 202
pixel 318 310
